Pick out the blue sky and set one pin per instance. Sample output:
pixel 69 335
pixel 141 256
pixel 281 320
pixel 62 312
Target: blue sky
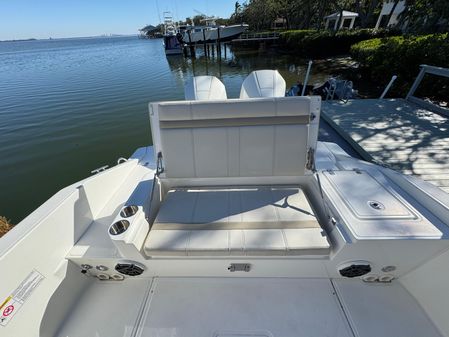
pixel 20 19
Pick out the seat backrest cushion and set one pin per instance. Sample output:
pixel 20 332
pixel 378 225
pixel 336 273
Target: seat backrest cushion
pixel 233 138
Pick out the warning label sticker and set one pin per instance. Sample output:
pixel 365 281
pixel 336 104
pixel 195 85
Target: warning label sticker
pixel 15 301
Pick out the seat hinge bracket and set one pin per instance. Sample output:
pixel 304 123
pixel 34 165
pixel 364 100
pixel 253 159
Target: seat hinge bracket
pixel 310 161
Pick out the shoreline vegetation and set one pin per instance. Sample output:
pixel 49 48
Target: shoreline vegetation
pixel 5 226
pixel 418 35
pixel 380 54
pixel 322 43
pixel 380 58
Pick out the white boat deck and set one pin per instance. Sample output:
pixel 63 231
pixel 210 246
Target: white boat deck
pixel 396 133
pixel 257 307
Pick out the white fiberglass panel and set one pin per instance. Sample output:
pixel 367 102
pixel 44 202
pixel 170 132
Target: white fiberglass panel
pixel 371 207
pixel 107 309
pixel 366 197
pixel 383 310
pixel 210 307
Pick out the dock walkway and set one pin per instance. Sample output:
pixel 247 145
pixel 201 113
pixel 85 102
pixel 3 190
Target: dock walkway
pixel 395 133
pixel 259 37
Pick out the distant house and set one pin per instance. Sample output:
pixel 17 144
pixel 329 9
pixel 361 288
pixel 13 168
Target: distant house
pixel 383 21
pixel 279 23
pixel 331 21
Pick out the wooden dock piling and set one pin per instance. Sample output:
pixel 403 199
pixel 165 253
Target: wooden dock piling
pixel 205 45
pixel 218 42
pixel 191 45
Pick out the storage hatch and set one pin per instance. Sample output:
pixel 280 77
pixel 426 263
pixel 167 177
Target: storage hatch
pixel 372 209
pixel 366 197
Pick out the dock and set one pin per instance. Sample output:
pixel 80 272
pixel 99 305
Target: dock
pixel 257 37
pixel 396 133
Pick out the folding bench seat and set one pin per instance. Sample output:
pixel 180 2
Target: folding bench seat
pixel 229 143
pixel 238 221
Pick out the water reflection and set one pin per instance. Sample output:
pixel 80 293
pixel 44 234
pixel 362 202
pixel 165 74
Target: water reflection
pixel 70 106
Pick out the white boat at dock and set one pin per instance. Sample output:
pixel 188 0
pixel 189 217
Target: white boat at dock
pixel 211 32
pixel 173 44
pixel 236 222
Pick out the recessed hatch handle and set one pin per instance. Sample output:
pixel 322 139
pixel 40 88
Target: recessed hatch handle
pixel 233 267
pixel 377 205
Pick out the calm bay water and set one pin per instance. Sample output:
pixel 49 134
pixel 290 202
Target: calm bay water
pixel 70 106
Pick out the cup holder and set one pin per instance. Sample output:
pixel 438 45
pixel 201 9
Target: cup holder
pixel 119 227
pixel 129 211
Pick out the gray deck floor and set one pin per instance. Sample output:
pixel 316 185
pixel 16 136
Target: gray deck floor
pixel 397 134
pixel 245 306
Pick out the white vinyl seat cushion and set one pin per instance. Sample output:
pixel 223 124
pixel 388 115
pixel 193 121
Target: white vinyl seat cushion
pixel 242 221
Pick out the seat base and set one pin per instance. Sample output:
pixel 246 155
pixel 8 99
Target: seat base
pixel 257 221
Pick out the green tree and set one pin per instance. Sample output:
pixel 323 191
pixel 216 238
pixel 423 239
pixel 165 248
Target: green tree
pixel 198 19
pixel 368 11
pixel 303 14
pixel 237 8
pixel 425 16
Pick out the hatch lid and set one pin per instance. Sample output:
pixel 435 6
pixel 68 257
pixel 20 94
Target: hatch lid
pixel 366 197
pixel 372 209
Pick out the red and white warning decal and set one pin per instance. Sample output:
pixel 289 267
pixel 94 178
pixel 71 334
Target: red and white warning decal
pixel 16 300
pixel 8 310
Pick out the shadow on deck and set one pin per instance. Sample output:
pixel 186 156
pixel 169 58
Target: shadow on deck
pixel 395 133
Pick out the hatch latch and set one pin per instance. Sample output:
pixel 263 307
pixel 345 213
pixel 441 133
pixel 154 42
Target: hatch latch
pixel 239 267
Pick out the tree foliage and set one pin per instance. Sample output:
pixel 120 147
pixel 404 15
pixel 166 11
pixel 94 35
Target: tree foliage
pixel 420 16
pixel 402 56
pixel 301 14
pixel 426 16
pixel 321 43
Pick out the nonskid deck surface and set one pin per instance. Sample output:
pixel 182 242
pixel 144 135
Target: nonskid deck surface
pixel 262 307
